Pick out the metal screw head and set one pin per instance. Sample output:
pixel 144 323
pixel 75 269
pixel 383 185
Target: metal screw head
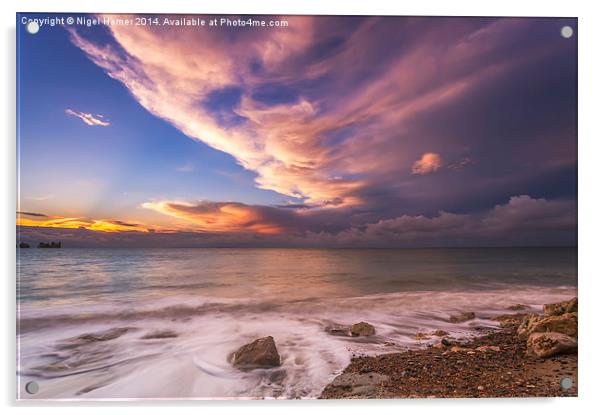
pixel 566 383
pixel 32 387
pixel 32 27
pixel 566 32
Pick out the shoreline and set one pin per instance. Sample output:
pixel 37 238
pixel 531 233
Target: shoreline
pixel 497 363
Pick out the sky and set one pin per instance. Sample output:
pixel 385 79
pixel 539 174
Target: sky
pixel 328 131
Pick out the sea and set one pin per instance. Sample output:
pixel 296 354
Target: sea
pixel 177 314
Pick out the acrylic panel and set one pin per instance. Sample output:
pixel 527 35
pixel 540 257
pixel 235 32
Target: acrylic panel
pixel 233 207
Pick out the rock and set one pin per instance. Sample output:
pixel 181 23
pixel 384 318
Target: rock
pixel 362 329
pixel 565 324
pixel 422 336
pixel 440 333
pixel 487 349
pixel 261 353
pixel 481 387
pixel 445 342
pixel 511 320
pixel 457 349
pixel 359 384
pixel 551 344
pixel 101 336
pixel 563 307
pixel 162 334
pixel 525 326
pixel 338 330
pixel 462 317
pixel 518 307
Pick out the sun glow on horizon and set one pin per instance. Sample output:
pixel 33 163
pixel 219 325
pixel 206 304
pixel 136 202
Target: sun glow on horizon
pixel 103 225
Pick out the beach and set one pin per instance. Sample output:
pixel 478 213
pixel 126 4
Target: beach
pixel 163 323
pixel 496 364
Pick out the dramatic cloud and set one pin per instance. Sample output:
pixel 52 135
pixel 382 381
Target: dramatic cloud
pixel 89 119
pixel 521 221
pixel 428 163
pixel 227 217
pixel 373 131
pixel 326 109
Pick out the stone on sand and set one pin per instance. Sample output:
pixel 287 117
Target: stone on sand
pixel 362 329
pixel 565 324
pixel 360 384
pixel 551 344
pixel 261 353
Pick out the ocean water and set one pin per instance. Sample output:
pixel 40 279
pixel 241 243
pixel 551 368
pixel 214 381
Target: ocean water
pixel 215 300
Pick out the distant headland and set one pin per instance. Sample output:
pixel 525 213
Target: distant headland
pixel 41 245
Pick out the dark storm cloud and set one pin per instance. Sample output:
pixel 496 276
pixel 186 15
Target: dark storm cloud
pixel 39 215
pixel 383 129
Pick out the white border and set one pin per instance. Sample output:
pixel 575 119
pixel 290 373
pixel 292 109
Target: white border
pixel 590 200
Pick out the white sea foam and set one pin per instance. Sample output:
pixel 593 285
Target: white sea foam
pixel 194 364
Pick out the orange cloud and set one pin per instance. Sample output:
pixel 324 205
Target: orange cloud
pixel 90 119
pixel 221 217
pixel 428 163
pixel 104 225
pixel 172 72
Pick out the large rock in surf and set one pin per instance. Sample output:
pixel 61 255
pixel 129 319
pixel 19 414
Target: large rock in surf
pixel 564 324
pixel 261 353
pixel 550 344
pixel 362 329
pixel 462 317
pixel 563 307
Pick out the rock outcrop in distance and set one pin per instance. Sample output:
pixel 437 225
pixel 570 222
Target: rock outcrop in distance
pixel 49 245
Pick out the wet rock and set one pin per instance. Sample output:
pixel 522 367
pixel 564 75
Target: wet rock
pixel 422 336
pixel 360 384
pixel 362 329
pixel 338 330
pixel 261 353
pixel 511 320
pixel 101 336
pixel 565 324
pixel 162 334
pixel 462 317
pixel 445 342
pixel 563 307
pixel 551 344
pixel 518 307
pixel 440 333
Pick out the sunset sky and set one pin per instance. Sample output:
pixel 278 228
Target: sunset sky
pixel 333 131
